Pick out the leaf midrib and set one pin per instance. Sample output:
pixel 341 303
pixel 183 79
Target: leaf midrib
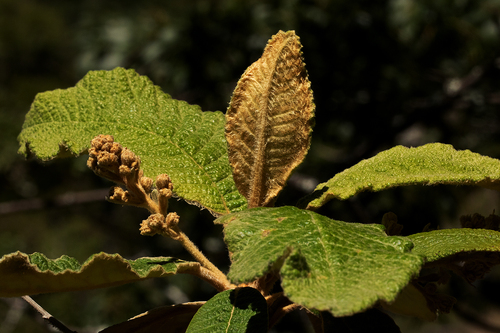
pixel 256 186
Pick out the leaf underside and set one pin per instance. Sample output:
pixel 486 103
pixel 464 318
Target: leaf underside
pixel 431 164
pixel 329 265
pixel 269 120
pixel 236 310
pixel 169 136
pixel 30 274
pixel 175 318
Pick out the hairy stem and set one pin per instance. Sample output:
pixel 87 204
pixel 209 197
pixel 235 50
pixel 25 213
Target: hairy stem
pixel 47 316
pixel 200 257
pixel 205 275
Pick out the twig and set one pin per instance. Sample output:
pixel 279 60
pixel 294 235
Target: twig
pixel 200 257
pixel 205 274
pixel 47 316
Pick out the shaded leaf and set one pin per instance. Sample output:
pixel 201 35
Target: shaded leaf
pixel 169 136
pixel 172 319
pixel 269 120
pixel 411 302
pixel 372 320
pixel 23 274
pixel 237 310
pixel 325 264
pixel 431 164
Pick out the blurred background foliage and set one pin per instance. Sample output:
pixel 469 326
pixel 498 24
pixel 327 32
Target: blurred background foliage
pixel 383 73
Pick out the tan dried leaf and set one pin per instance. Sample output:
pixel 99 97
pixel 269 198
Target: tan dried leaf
pixel 269 120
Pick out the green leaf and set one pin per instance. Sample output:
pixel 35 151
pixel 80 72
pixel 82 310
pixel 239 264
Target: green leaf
pixel 411 302
pixel 23 274
pixel 176 317
pixel 236 310
pixel 431 164
pixel 325 264
pixel 439 244
pixel 169 136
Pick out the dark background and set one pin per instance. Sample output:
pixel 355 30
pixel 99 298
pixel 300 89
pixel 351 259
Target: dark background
pixel 383 73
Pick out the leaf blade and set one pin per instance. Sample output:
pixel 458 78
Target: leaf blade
pixel 329 265
pixel 169 136
pixel 430 164
pixel 269 120
pixel 235 310
pixel 24 274
pixel 439 244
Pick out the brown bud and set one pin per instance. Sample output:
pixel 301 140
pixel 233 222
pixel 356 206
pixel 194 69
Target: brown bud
pixel 155 224
pixel 130 159
pixel 164 181
pixel 100 140
pixel 116 193
pixel 104 157
pixel 147 184
pixel 390 222
pixel 172 220
pixel 120 196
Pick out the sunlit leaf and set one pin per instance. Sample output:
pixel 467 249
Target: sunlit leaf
pixel 325 264
pixel 431 164
pixel 438 244
pixel 169 136
pixel 269 120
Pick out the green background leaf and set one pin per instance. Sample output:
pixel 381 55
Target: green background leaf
pixel 23 274
pixel 169 136
pixel 237 310
pixel 434 163
pixel 327 265
pixel 439 244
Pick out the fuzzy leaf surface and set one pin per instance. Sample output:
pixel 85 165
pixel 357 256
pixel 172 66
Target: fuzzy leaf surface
pixel 439 244
pixel 237 310
pixel 169 136
pixel 325 264
pixel 269 120
pixel 430 164
pixel 30 274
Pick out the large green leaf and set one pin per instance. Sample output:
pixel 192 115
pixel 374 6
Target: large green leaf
pixel 440 244
pixel 29 274
pixel 329 265
pixel 237 310
pixel 169 136
pixel 434 163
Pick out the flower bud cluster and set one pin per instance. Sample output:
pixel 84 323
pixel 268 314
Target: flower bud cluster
pixel 110 160
pixel 161 224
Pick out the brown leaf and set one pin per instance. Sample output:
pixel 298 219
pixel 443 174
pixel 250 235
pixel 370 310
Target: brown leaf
pixel 269 120
pixel 173 318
